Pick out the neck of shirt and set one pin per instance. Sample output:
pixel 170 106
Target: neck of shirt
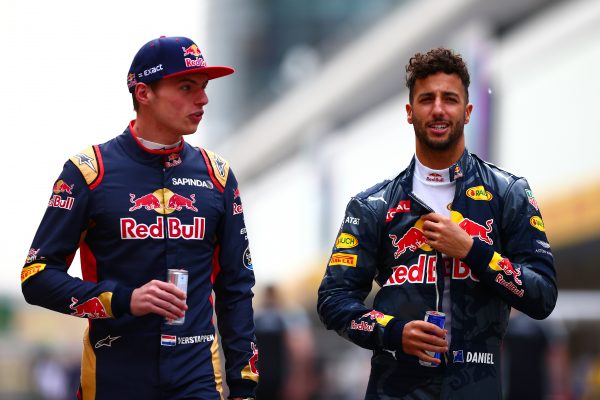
pixel 158 146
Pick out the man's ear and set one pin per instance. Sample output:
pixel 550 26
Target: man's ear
pixel 143 93
pixel 409 114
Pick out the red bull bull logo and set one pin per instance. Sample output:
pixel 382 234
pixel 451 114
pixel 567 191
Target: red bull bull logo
pixel 192 50
pixel 473 228
pixel 379 317
pixel 148 201
pixel 374 315
pixel 412 240
pixel 508 269
pixel 92 308
pixel 162 201
pixel 62 187
pixel 178 202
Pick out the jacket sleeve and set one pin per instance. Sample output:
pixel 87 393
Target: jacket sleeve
pixel 44 278
pixel 348 280
pixel 233 290
pixel 523 273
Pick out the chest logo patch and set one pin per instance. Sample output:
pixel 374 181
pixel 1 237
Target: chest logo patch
pixel 162 201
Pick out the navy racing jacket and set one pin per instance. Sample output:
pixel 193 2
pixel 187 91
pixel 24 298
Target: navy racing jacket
pixel 133 213
pixel 381 240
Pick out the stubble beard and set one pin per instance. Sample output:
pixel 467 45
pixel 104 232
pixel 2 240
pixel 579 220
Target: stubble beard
pixel 456 132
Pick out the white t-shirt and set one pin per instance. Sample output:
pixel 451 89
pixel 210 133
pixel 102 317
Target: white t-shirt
pixel 435 188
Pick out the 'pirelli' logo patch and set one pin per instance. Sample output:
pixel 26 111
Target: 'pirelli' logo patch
pixel 348 260
pixel 31 270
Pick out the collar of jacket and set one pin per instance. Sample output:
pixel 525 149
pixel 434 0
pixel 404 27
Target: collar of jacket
pixel 137 151
pixel 458 170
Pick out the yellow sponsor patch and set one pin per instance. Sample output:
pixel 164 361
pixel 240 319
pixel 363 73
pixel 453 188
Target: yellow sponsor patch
pixel 349 260
pixel 383 321
pixel 537 223
pixel 31 270
pixel 346 241
pixel 479 193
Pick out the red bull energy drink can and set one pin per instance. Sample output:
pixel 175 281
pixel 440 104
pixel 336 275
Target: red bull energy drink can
pixel 436 318
pixel 179 278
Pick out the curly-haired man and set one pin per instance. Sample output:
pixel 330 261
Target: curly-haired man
pixel 451 236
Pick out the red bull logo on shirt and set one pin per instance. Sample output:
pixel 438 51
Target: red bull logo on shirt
pixel 412 240
pixel 425 271
pixel 92 308
pixel 473 228
pixel 61 186
pixel 162 201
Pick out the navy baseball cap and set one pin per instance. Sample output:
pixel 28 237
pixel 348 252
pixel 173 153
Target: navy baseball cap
pixel 170 56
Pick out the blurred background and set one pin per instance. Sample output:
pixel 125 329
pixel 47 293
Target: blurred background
pixel 313 115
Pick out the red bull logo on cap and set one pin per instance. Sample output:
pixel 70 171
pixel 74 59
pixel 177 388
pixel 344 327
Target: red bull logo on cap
pixel 194 51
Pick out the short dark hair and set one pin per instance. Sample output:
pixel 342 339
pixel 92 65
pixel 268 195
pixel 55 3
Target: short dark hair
pixel 136 105
pixel 436 60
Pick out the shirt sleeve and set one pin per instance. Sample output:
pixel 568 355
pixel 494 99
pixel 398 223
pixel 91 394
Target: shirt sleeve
pixel 44 278
pixel 523 272
pixel 348 280
pixel 233 284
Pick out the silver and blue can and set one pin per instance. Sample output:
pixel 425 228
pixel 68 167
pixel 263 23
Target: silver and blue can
pixel 179 278
pixel 436 318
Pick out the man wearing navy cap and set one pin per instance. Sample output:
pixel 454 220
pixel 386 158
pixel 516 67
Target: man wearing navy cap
pixel 136 206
